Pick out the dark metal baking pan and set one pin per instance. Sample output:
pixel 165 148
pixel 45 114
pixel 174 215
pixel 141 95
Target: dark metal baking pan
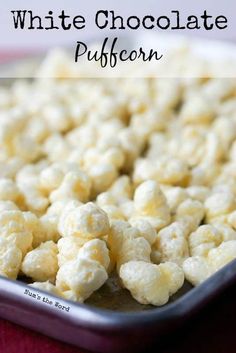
pixel 103 330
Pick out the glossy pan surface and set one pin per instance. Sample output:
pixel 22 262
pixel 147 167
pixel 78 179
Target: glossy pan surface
pixel 104 330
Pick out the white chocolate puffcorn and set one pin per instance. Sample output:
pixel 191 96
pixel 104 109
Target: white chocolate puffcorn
pixel 171 244
pixel 198 268
pixel 84 271
pixel 47 287
pixel 41 263
pixel 10 258
pixel 150 283
pixel 151 204
pixel 79 278
pixel 86 221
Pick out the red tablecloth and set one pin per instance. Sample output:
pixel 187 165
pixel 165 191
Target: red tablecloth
pixel 213 331
pixel 7 55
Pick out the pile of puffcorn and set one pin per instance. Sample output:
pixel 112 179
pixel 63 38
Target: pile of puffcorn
pixel 129 176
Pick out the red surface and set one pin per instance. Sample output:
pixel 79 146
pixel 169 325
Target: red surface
pixel 213 331
pixel 9 55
